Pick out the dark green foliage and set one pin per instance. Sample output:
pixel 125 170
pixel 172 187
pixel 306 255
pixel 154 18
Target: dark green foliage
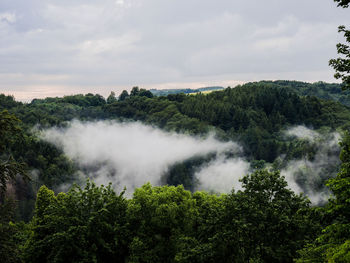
pixel 182 173
pixel 80 226
pixel 265 222
pixel 111 98
pixel 10 169
pixel 10 234
pixel 333 245
pixel 10 132
pixel 166 92
pixel 123 95
pixel 342 64
pixel 134 91
pixel 321 90
pixel 50 164
pixel 138 92
pixel 8 102
pixel 252 114
pixel 160 219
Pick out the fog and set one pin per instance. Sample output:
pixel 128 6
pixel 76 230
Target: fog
pixel 315 170
pixel 222 175
pixel 129 154
pixel 302 132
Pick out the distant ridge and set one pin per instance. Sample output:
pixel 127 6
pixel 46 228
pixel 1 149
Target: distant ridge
pixel 320 89
pixel 165 92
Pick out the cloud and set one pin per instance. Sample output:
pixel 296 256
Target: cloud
pixel 129 154
pixel 120 2
pixel 8 17
pixel 301 132
pixel 307 175
pixel 222 175
pixel 111 44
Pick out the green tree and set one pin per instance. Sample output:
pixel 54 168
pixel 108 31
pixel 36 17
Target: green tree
pixel 111 98
pixel 160 218
pixel 134 91
pixel 342 64
pixel 333 245
pixel 84 225
pixel 9 169
pixel 123 95
pixel 9 249
pixel 10 132
pixel 203 245
pixel 145 93
pixel 265 222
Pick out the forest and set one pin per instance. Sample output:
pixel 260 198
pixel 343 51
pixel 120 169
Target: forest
pixel 174 220
pixel 251 173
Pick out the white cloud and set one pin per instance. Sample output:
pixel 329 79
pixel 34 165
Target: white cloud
pixel 222 175
pixel 312 172
pixel 111 43
pixel 8 17
pixel 129 154
pixel 120 2
pixel 302 132
pixel 114 45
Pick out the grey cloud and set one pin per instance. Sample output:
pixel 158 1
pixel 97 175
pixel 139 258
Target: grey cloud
pixel 113 43
pixel 313 172
pixel 222 175
pixel 129 154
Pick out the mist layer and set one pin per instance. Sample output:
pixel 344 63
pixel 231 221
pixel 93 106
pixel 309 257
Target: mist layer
pixel 129 154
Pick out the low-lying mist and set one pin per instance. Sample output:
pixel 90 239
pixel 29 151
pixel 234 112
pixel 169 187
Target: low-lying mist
pixel 307 175
pixel 222 174
pixel 130 154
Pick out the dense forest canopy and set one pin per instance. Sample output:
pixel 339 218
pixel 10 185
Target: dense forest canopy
pixel 256 173
pixel 253 114
pixel 263 221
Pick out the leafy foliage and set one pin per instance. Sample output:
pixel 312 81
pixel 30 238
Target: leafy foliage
pixel 80 226
pixel 333 244
pixel 265 222
pixel 160 218
pixel 9 169
pixel 253 114
pixel 342 64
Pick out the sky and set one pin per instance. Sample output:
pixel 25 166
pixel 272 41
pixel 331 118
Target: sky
pixel 64 47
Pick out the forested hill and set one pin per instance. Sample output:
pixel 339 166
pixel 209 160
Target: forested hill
pixel 253 115
pixel 322 90
pixel 263 222
pixel 166 92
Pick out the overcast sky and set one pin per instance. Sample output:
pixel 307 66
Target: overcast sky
pixel 61 47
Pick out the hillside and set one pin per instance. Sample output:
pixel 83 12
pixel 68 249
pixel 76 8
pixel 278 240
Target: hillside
pixel 201 141
pixel 254 115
